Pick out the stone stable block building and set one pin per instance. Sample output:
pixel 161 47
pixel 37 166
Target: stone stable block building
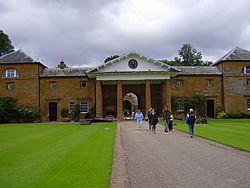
pixel 126 83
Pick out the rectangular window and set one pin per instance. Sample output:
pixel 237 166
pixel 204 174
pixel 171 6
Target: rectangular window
pixel 52 85
pixel 84 107
pixel 180 107
pixel 209 83
pixel 248 104
pixel 71 107
pixel 10 85
pixel 180 83
pixel 83 84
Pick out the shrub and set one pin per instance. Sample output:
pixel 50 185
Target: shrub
pixel 65 113
pixel 7 109
pixel 27 113
pixel 76 113
pixel 221 115
pixel 237 115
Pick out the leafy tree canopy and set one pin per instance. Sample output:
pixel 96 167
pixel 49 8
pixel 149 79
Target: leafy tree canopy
pixel 62 65
pixel 188 56
pixel 5 44
pixel 111 58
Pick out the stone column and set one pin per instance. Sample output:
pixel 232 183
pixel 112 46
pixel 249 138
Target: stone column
pixel 168 94
pixel 147 96
pixel 98 99
pixel 119 100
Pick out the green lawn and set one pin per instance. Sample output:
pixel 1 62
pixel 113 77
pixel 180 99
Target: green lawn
pixel 232 132
pixel 56 155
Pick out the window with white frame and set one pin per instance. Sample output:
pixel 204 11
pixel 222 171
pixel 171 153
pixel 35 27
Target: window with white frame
pixel 84 107
pixel 209 83
pixel 248 104
pixel 71 107
pixel 246 70
pixel 10 73
pixel 180 107
pixel 180 83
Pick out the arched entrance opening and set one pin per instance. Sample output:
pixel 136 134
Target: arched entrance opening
pixel 130 105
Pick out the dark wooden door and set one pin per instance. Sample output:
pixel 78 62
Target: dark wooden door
pixel 52 111
pixel 210 108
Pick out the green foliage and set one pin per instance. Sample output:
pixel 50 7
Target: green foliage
pixel 62 65
pixel 76 113
pixel 65 112
pixel 62 155
pixel 27 113
pixel 91 113
pixel 110 58
pixel 7 109
pixel 197 102
pixel 221 115
pixel 237 115
pixel 189 56
pixel 5 44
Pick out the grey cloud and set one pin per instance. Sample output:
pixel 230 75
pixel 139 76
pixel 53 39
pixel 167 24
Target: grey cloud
pixel 84 33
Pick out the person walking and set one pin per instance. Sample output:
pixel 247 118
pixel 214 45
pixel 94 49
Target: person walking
pixel 190 120
pixel 149 116
pixel 166 115
pixel 171 121
pixel 153 120
pixel 139 117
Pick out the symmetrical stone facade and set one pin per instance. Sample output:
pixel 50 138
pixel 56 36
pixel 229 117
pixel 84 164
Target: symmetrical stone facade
pixel 224 84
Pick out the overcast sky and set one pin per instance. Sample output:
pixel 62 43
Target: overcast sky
pixel 85 32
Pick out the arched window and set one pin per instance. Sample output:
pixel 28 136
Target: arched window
pixel 10 73
pixel 246 70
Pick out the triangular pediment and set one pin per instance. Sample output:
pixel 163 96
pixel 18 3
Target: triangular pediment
pixel 133 62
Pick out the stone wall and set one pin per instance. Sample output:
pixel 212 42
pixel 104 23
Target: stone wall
pixel 67 89
pixel 26 85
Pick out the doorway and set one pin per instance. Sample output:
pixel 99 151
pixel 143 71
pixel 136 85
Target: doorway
pixel 210 108
pixel 130 105
pixel 52 111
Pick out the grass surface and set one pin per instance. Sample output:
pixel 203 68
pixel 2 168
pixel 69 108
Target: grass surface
pixel 56 155
pixel 232 132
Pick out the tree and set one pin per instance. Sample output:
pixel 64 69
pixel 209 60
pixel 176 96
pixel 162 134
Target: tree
pixel 111 58
pixel 5 44
pixel 62 65
pixel 189 56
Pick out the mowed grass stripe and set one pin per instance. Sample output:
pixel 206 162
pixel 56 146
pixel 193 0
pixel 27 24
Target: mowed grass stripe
pixel 57 156
pixel 232 132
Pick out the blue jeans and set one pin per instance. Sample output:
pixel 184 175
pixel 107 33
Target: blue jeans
pixel 191 129
pixel 166 126
pixel 139 124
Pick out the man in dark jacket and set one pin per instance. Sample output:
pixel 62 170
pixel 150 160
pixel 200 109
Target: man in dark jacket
pixel 166 117
pixel 153 120
pixel 190 119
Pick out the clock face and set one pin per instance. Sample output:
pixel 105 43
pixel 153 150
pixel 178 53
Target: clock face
pixel 132 63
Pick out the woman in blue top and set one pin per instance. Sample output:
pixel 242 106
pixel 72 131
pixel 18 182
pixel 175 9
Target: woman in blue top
pixel 139 117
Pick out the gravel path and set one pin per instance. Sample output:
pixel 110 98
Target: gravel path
pixel 144 159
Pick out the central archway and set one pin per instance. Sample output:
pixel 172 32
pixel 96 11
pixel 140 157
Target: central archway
pixel 130 105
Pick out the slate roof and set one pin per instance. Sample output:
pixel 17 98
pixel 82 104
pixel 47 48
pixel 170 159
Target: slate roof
pixel 235 54
pixel 57 72
pixel 198 70
pixel 16 57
